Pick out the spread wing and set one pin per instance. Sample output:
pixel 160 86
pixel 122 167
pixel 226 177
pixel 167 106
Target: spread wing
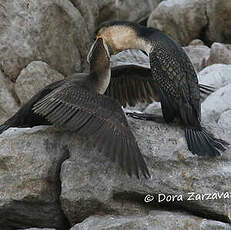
pixel 173 72
pixel 73 108
pixel 132 80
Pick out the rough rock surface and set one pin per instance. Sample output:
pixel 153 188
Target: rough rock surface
pixel 199 55
pixel 185 20
pixel 154 221
pixel 220 53
pixel 34 77
pixel 217 75
pixel 8 100
pixel 29 179
pixel 95 12
pixel 51 31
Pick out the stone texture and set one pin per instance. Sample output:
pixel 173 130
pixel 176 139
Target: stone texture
pixel 95 12
pixel 153 221
pixel 217 103
pixel 185 20
pixel 219 19
pixel 198 55
pixel 29 179
pixel 51 31
pixel 34 77
pixel 181 19
pixel 220 53
pixel 217 75
pixel 8 103
pixel 90 188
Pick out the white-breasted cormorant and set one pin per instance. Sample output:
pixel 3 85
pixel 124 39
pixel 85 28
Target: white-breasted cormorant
pixel 132 82
pixel 77 104
pixel 175 79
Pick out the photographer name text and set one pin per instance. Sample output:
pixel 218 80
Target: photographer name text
pixel 190 196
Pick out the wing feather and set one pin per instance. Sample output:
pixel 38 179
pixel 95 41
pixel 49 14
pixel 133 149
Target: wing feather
pixel 74 108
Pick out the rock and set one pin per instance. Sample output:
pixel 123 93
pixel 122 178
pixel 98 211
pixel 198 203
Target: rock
pixel 185 20
pixel 196 42
pixel 8 103
pixel 90 188
pixel 217 75
pixel 219 19
pixel 198 55
pixel 225 121
pixel 51 31
pixel 96 12
pixel 220 53
pixel 155 220
pixel 30 161
pixel 38 72
pixel 216 104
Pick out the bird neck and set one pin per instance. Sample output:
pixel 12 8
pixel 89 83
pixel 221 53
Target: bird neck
pixel 123 37
pixel 101 80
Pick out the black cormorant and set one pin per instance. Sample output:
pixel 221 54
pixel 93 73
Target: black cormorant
pixel 175 79
pixel 77 104
pixel 132 81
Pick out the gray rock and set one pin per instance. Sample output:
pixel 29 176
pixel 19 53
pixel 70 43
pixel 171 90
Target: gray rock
pixel 34 77
pixel 216 104
pixel 220 53
pixel 217 75
pixel 30 161
pixel 181 19
pixel 95 12
pixel 8 103
pixel 51 31
pixel 219 18
pixel 198 55
pixel 90 188
pixel 153 221
pixel 225 121
pixel 185 20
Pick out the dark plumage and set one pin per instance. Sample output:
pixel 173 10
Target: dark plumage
pixel 77 104
pixel 132 80
pixel 175 79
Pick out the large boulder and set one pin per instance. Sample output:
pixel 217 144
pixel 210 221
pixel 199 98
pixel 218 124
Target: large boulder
pixel 36 72
pixel 95 12
pixel 217 75
pixel 30 162
pixel 160 220
pixel 51 31
pixel 219 53
pixel 8 100
pixel 185 20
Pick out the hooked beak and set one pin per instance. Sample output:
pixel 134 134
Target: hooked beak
pixel 98 38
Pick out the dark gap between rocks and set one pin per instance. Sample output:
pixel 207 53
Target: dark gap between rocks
pixel 170 206
pixel 66 155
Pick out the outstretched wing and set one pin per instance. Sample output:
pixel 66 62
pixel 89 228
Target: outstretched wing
pixel 131 84
pixel 173 72
pixel 74 108
pixel 132 80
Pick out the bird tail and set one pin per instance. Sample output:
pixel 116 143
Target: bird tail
pixel 202 143
pixel 4 127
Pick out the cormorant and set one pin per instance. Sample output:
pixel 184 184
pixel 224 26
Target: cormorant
pixel 77 104
pixel 175 79
pixel 132 81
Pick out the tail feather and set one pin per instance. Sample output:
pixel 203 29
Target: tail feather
pixel 202 143
pixel 3 127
